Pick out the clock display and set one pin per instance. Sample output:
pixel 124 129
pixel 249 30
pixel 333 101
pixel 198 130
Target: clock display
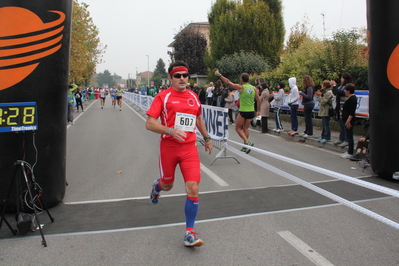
pixel 18 116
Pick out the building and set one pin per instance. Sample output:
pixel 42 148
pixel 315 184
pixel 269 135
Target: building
pixel 202 28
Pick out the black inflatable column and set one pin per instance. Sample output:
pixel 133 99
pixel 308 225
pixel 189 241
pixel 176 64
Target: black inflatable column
pixel 383 26
pixel 34 66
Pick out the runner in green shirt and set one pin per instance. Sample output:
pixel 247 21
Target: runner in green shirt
pixel 119 93
pixel 248 94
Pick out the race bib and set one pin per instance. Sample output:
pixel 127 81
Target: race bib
pixel 185 122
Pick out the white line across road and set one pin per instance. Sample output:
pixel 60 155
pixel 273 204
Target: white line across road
pixel 306 250
pixel 213 176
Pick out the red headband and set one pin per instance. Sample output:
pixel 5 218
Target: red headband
pixel 176 69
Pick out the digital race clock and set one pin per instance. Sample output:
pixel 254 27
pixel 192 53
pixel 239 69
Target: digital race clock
pixel 20 116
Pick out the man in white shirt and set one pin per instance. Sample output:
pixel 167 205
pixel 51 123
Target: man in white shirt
pixel 209 93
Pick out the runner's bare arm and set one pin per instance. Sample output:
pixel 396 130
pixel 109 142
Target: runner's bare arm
pixel 228 82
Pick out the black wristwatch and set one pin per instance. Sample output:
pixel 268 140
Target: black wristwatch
pixel 207 138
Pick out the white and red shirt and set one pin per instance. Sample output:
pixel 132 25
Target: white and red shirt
pixel 168 103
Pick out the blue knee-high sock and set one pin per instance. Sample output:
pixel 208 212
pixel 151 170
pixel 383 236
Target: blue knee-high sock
pixel 191 210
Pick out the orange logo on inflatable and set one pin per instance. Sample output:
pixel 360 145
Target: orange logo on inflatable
pixel 24 40
pixel 393 68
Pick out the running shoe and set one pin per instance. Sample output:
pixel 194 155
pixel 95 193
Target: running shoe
pixel 319 139
pixel 191 240
pixel 154 194
pixel 249 143
pixel 243 149
pixel 293 133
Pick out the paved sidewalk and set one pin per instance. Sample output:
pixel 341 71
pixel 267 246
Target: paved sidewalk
pixel 310 140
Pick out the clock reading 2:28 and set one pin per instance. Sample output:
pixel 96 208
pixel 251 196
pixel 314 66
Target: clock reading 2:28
pixel 18 116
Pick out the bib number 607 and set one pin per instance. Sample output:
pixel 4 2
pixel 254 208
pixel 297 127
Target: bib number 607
pixel 185 121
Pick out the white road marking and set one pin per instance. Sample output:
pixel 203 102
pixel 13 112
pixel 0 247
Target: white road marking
pixel 306 250
pixel 214 176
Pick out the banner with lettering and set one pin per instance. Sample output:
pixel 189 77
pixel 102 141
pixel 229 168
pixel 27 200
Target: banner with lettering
pixel 216 122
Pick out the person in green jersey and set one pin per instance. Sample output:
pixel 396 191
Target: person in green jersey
pixel 248 94
pixel 119 93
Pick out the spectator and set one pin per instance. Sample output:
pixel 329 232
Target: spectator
pixel 278 102
pixel 230 104
pixel 223 95
pixel 78 98
pixel 71 101
pixel 209 93
pixel 308 104
pixel 202 95
pixel 348 115
pixel 361 149
pixel 340 97
pixel 216 93
pixel 293 98
pixel 264 107
pixel 325 99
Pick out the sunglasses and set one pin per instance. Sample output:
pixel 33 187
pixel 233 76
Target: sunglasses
pixel 177 75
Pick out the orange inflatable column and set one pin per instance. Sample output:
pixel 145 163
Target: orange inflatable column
pixel 34 66
pixel 383 26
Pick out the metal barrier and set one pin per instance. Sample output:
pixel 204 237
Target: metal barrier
pixel 220 145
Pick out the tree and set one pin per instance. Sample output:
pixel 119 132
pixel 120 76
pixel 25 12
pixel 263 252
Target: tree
pixel 299 33
pixel 232 66
pixel 344 51
pixel 252 26
pixel 160 69
pixel 106 78
pixel 86 50
pixel 307 59
pixel 190 47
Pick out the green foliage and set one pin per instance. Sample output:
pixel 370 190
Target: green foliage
pixel 360 76
pixel 159 73
pixel 86 49
pixel 299 33
pixel 190 47
pixel 232 66
pixel 160 69
pixel 106 78
pixel 251 26
pixel 343 51
pixel 306 60
pixel 323 60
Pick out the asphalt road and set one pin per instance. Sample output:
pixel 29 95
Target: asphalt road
pixel 251 213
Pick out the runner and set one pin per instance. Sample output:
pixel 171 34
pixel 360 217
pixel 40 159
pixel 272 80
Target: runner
pixel 247 108
pixel 180 113
pixel 113 95
pixel 103 95
pixel 119 93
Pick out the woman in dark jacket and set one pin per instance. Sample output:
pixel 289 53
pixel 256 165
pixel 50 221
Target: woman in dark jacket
pixel 308 104
pixel 348 117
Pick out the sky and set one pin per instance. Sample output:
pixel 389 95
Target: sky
pixel 137 32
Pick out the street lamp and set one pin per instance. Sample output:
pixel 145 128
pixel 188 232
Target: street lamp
pixel 148 70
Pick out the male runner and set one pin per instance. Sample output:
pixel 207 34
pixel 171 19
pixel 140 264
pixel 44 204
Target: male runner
pixel 180 112
pixel 248 94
